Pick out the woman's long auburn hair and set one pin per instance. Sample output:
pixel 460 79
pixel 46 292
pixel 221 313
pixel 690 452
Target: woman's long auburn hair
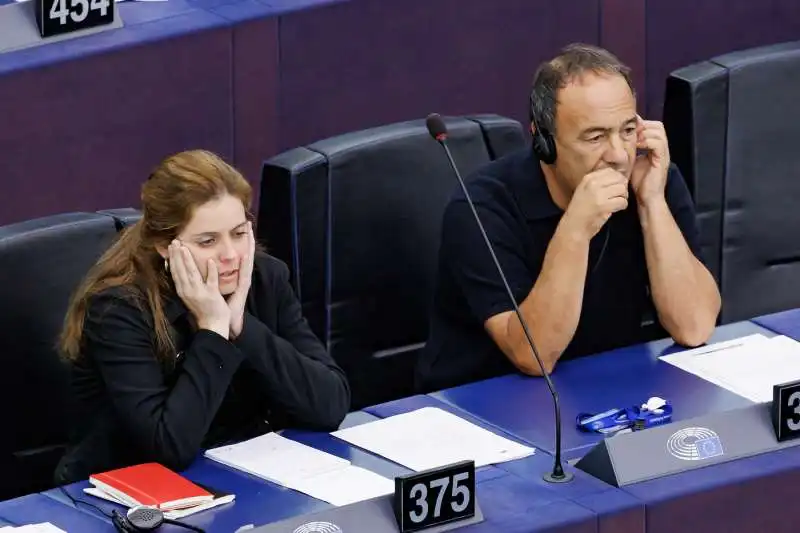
pixel 179 185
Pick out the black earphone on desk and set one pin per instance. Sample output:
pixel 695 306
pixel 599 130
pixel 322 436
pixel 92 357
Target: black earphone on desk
pixel 144 519
pixel 137 519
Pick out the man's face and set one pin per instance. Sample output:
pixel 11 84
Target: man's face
pixel 595 128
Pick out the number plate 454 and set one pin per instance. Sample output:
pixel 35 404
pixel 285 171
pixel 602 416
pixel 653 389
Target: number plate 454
pixel 434 497
pixel 56 17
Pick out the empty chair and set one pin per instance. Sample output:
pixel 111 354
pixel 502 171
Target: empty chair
pixel 42 262
pixel 733 124
pixel 123 216
pixel 357 218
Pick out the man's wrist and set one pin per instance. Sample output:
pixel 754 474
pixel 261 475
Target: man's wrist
pixel 652 208
pixel 571 235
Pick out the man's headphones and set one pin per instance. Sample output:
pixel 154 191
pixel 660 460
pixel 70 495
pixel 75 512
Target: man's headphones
pixel 144 519
pixel 544 146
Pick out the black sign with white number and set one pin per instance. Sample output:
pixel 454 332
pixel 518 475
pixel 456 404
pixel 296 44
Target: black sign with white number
pixel 786 410
pixel 56 17
pixel 435 497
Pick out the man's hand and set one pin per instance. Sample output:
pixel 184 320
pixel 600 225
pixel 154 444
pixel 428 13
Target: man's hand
pixel 600 194
pixel 649 177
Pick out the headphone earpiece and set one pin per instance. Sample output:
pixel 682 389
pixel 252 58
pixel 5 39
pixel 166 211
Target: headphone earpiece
pixel 137 519
pixel 544 146
pixel 143 518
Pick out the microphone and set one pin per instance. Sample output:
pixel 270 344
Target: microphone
pixel 438 130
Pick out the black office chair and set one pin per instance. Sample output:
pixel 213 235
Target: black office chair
pixel 42 262
pixel 357 218
pixel 732 123
pixel 123 216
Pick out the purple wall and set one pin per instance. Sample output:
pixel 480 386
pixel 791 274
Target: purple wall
pixel 682 32
pixel 82 134
pixel 364 63
pixel 255 90
pixel 623 32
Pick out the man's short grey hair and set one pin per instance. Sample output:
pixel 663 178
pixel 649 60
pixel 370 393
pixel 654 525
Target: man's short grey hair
pixel 573 61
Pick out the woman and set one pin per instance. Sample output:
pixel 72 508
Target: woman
pixel 184 337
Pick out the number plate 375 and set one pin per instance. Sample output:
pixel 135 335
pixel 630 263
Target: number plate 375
pixel 435 497
pixel 786 410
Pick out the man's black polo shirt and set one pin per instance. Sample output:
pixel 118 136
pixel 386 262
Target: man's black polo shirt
pixel 520 218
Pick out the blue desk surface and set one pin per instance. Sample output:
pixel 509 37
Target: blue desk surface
pixel 143 22
pixel 513 495
pixel 151 21
pixel 36 508
pixel 784 323
pixel 510 503
pixel 257 502
pixel 619 378
pixel 616 510
pixel 700 499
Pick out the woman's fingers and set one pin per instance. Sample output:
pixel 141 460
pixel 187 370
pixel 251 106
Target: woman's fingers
pixel 212 279
pixel 177 267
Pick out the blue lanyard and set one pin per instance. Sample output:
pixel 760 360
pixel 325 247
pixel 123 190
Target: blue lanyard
pixel 634 418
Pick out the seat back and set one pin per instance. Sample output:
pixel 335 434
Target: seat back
pixel 357 218
pixel 42 262
pixel 732 124
pixel 123 216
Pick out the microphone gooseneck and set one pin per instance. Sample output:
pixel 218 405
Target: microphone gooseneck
pixel 438 130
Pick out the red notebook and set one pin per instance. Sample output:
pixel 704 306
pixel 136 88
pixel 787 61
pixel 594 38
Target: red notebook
pixel 151 484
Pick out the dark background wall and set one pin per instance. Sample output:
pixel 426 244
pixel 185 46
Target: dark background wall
pixel 252 89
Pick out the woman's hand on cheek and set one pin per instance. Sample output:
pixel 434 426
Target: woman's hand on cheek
pixel 201 297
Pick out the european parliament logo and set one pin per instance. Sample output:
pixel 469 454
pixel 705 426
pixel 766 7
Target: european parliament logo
pixel 694 444
pixel 318 527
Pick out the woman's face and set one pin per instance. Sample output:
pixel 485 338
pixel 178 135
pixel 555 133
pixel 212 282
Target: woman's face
pixel 218 231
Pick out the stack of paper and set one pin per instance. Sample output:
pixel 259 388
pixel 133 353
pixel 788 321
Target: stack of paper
pixel 302 468
pixel 154 485
pixel 748 366
pixel 430 438
pixel 174 514
pixel 45 527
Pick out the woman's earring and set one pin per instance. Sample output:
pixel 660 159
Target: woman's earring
pixel 166 265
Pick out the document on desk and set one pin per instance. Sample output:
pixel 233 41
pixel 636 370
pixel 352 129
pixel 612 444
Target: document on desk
pixel 748 366
pixel 305 469
pixel 431 437
pixel 45 527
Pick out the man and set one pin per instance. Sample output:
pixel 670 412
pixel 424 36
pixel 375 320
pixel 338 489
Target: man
pixel 594 229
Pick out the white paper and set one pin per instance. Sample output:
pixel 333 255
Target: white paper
pixel 45 527
pixel 304 469
pixel 276 458
pixel 345 486
pixel 430 438
pixel 175 514
pixel 749 366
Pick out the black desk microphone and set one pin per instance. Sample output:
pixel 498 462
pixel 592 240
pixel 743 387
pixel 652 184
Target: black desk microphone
pixel 438 130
